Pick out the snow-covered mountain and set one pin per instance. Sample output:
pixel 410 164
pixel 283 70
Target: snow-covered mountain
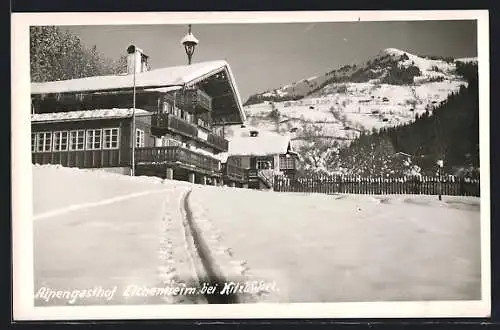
pixel 388 90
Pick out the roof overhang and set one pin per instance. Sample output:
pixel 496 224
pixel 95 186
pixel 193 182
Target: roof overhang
pixel 262 145
pixel 87 115
pixel 162 80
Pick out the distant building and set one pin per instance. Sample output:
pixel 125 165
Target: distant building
pixel 180 116
pixel 262 155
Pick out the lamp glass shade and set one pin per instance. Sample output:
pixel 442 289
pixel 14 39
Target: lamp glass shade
pixel 189 47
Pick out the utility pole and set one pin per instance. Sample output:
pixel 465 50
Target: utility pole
pixel 134 137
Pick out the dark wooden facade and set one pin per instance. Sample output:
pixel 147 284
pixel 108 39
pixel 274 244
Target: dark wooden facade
pixel 254 168
pixel 169 138
pixel 179 138
pixel 112 156
pixel 149 159
pixel 233 172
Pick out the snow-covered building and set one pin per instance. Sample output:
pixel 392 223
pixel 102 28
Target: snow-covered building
pixel 262 155
pixel 180 114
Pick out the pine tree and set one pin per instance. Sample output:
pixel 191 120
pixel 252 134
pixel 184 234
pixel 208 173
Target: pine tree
pixel 450 132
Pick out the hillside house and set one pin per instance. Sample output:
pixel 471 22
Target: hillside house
pixel 262 156
pixel 180 114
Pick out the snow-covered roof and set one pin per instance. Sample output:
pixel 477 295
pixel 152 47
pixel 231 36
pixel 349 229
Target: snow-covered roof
pixel 264 144
pixel 222 156
pixel 163 79
pixel 189 38
pixel 87 115
pixel 467 60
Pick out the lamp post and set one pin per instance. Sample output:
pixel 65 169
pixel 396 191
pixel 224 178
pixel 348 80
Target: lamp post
pixel 189 42
pixel 440 164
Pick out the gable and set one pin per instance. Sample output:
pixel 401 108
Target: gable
pixel 214 77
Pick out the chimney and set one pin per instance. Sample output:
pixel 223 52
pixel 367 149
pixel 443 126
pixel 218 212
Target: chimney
pixel 141 64
pixel 254 133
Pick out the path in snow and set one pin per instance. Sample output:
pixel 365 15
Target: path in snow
pixel 133 240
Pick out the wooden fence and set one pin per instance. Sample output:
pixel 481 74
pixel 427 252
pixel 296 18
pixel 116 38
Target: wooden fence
pixel 450 185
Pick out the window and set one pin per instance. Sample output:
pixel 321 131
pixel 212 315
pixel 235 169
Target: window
pixel 77 140
pixel 203 123
pixel 94 139
pixel 43 141
pixel 139 138
pixel 287 162
pixel 60 141
pixel 33 142
pixel 264 164
pixel 110 138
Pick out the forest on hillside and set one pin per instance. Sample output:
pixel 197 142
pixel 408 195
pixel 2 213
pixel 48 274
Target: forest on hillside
pixel 448 131
pixel 56 54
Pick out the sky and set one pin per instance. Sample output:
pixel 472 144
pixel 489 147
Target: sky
pixel 271 55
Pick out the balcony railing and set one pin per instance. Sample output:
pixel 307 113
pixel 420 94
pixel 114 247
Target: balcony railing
pixel 192 98
pixel 175 154
pixel 218 142
pixel 202 100
pixel 234 172
pixel 167 121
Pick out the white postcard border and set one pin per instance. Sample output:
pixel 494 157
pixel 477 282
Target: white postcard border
pixel 22 230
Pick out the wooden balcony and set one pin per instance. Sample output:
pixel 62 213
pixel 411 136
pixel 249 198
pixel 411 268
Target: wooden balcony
pixel 174 155
pixel 164 122
pixel 218 142
pixel 201 101
pixel 192 99
pixel 233 172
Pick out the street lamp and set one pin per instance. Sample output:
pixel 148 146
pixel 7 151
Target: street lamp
pixel 189 41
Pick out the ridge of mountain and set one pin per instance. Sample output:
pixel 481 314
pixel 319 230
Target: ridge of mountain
pixel 390 65
pixel 390 89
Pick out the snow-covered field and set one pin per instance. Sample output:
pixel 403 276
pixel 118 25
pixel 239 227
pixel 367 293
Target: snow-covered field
pixel 352 248
pixel 94 228
pixel 364 106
